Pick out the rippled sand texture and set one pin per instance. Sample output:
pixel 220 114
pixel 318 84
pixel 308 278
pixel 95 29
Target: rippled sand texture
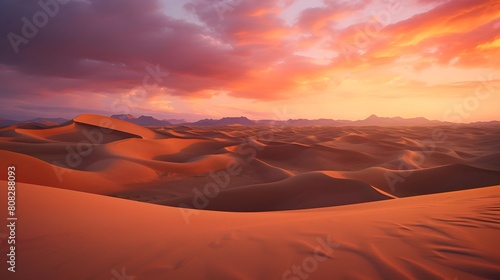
pixel 384 202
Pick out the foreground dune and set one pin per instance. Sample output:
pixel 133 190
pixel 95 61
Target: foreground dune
pixel 75 235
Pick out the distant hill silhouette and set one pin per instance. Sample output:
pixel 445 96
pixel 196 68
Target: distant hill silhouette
pixel 224 121
pixel 124 117
pixel 395 121
pixel 142 120
pixel 372 120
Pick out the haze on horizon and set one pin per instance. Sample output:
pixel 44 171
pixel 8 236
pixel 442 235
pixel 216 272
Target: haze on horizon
pixel 263 59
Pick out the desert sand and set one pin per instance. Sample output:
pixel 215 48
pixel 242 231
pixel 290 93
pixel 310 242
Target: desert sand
pixel 100 196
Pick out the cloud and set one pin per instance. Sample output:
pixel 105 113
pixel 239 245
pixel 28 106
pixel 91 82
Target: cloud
pixel 105 46
pixel 448 34
pixel 244 50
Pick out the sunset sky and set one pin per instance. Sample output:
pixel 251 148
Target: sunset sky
pixel 264 59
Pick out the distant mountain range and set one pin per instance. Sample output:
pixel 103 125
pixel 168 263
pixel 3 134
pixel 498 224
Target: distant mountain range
pixel 143 120
pixel 372 120
pixel 224 121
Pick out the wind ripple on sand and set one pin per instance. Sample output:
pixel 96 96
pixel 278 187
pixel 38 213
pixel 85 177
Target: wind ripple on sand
pixel 409 238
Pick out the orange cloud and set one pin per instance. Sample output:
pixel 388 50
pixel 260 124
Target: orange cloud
pixel 465 31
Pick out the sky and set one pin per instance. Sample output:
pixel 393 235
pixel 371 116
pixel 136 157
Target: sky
pixel 263 59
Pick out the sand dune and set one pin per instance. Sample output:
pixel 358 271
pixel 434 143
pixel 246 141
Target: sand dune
pixel 40 172
pixel 175 162
pixel 76 132
pixel 115 125
pixel 441 236
pixel 309 190
pixel 271 202
pixel 426 181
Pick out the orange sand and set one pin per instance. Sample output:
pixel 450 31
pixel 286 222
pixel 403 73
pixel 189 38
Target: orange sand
pixel 394 202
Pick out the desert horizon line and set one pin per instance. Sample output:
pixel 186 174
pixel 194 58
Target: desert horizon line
pixel 211 118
